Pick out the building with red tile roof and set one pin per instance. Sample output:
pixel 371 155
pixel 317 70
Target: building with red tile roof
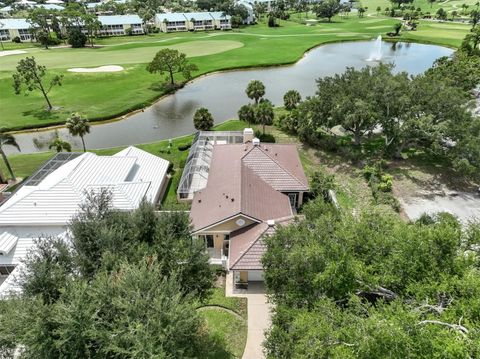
pixel 251 188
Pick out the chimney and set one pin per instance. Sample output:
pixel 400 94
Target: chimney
pixel 271 222
pixel 248 135
pixel 256 142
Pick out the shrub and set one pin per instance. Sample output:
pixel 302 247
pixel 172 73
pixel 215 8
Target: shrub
pixel 320 183
pixel 267 137
pixel 381 184
pixel 271 21
pixel 236 21
pixel 288 121
pixel 184 147
pixel 76 38
pixel 17 40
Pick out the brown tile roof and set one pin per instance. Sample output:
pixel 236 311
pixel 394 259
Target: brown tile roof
pixel 246 179
pixel 265 162
pixel 247 246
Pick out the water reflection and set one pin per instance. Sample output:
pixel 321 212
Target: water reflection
pixel 224 93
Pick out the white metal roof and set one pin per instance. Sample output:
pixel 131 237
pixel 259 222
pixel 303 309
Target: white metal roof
pixel 119 19
pixel 50 6
pixel 8 240
pixel 171 17
pixel 219 15
pixel 198 16
pixel 11 24
pixel 131 174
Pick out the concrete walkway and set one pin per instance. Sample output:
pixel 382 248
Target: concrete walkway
pixel 259 316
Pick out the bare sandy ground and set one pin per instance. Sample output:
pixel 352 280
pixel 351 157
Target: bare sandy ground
pixel 109 68
pixel 12 52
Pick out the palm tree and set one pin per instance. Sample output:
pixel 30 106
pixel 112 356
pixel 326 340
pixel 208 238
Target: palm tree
pixel 7 139
pixel 264 113
pixel 255 90
pixel 246 113
pixel 291 99
pixel 78 126
pixel 60 145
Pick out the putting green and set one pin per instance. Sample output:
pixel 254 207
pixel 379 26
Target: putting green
pixel 88 57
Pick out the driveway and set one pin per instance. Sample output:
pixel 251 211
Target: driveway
pixel 259 316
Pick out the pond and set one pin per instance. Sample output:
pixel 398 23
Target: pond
pixel 223 93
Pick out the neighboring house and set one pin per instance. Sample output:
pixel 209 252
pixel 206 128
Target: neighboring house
pixel 193 21
pixel 198 21
pixel 251 13
pixel 117 25
pixel 221 21
pixel 44 205
pixel 11 28
pixel 7 10
pixel 171 22
pixel 250 189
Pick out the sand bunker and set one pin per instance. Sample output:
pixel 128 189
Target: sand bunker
pixel 12 52
pixel 109 68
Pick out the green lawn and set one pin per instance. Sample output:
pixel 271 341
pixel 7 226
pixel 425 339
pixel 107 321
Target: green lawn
pixel 227 331
pixel 448 5
pixel 105 95
pixel 238 305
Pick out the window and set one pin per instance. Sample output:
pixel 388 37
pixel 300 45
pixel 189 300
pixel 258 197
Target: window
pixel 4 35
pixel 6 269
pixel 293 199
pixel 209 241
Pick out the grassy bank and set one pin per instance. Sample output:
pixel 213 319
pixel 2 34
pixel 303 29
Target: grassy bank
pixel 106 95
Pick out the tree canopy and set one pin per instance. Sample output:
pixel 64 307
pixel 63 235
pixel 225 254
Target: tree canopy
pixel 78 126
pixel 31 74
pixel 203 119
pixel 429 112
pixel 373 286
pixel 255 90
pixel 171 62
pixel 328 9
pixel 124 285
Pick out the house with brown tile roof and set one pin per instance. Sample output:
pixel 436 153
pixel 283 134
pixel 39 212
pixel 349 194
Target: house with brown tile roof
pixel 252 188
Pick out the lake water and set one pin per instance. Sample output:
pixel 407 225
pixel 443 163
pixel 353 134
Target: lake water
pixel 224 93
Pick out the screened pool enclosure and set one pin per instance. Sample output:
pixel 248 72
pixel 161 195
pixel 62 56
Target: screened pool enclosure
pixel 195 173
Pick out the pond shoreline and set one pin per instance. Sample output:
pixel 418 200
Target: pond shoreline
pixel 122 115
pixel 222 92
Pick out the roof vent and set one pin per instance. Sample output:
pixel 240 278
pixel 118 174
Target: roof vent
pixel 271 222
pixel 256 142
pixel 233 199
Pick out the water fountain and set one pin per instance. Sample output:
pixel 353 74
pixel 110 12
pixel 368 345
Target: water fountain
pixel 376 54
